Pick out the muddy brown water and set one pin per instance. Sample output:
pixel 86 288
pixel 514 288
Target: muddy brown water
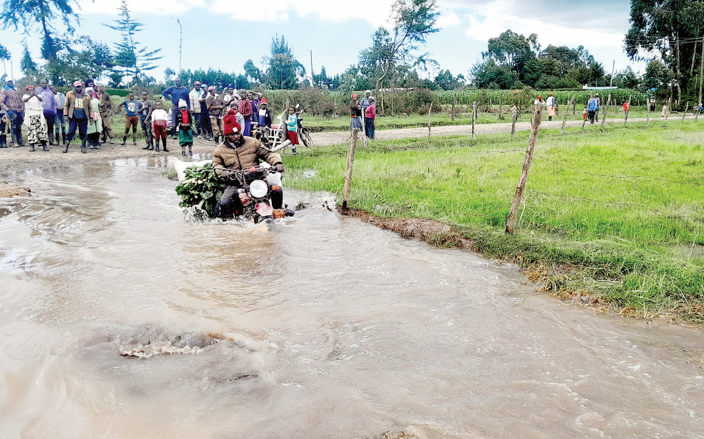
pixel 314 327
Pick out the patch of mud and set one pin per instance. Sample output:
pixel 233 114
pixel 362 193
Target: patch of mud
pixel 8 191
pixel 149 341
pixel 430 231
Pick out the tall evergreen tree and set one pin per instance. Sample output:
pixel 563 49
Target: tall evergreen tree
pixel 283 66
pixel 27 64
pixel 4 56
pixel 41 14
pixel 131 57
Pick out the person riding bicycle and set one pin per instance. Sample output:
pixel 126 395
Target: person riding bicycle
pixel 237 153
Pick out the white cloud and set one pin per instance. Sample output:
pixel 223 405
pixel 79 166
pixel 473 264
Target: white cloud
pixel 161 7
pixel 447 19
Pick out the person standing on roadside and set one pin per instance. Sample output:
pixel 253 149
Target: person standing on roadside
pixel 597 101
pixel 145 108
pixel 539 103
pixel 59 122
pixel 34 120
pixel 175 93
pixel 552 108
pixel 160 120
pixel 95 123
pixel 184 118
pixel 591 109
pixel 131 119
pixel 265 115
pixel 206 129
pixel 11 102
pixel 245 107
pixel 77 111
pixel 89 83
pixel 370 117
pixel 49 107
pixel 292 129
pixel 215 106
pixel 105 114
pixel 195 95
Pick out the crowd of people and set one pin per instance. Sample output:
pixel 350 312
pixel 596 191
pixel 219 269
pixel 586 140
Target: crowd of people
pixel 52 118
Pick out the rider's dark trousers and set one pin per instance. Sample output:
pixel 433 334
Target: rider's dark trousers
pixel 230 205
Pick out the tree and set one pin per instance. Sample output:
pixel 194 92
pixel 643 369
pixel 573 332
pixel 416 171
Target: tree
pixel 4 56
pixel 666 27
pixel 658 76
pixel 252 71
pixel 283 67
pixel 513 50
pixel 446 81
pixel 31 14
pixel 131 57
pixel 413 21
pixel 486 73
pixel 27 64
pixel 80 58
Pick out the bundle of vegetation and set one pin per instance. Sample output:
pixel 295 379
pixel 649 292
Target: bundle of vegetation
pixel 200 191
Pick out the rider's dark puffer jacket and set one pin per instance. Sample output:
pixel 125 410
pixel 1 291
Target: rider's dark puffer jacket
pixel 244 156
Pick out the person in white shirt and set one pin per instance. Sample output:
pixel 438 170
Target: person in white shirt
pixel 160 122
pixel 34 119
pixel 195 97
pixel 552 109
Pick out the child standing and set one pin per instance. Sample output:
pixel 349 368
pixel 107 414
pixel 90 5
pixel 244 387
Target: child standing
pixel 131 119
pixel 370 117
pixel 160 122
pixel 292 128
pixel 184 119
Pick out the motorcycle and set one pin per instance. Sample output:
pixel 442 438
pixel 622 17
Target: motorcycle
pixel 254 190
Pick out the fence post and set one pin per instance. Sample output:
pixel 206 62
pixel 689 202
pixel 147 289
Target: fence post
pixel 606 111
pixel 647 106
pixel 350 165
pixel 535 129
pixel 474 118
pixel 564 121
pixel 685 111
pixel 501 103
pixel 454 102
pixel 429 110
pixel 667 110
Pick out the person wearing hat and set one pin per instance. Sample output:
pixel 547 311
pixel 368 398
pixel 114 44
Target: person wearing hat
pixel 206 129
pixel 77 111
pixel 194 96
pixel 34 119
pixel 215 105
pixel 175 93
pixel 538 103
pixel 105 114
pixel 245 107
pixel 11 103
pixel 132 118
pixel 265 115
pixel 160 121
pixel 238 152
pixel 186 127
pixel 95 123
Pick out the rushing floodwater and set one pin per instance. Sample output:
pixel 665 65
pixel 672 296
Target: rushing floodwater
pixel 316 327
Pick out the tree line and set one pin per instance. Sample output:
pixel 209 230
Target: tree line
pixel 667 33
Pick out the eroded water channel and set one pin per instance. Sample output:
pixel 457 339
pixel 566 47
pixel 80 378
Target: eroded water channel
pixel 118 319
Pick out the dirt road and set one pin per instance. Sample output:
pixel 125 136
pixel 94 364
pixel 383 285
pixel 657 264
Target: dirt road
pixel 336 138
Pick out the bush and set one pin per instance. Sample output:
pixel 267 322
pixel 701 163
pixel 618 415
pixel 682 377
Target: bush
pixel 201 189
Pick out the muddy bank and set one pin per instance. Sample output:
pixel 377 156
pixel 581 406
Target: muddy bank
pixel 8 190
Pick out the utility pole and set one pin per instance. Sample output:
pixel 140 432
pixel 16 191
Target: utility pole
pixel 312 81
pixel 180 46
pixel 701 75
pixel 613 69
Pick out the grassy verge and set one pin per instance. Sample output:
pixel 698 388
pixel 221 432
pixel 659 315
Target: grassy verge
pixel 617 215
pixel 317 124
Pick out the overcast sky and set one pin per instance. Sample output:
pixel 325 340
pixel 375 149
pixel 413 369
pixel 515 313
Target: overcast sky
pixel 226 33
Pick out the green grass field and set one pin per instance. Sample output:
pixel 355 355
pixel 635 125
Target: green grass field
pixel 317 124
pixel 624 208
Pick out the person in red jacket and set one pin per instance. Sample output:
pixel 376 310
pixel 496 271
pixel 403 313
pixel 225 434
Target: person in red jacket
pixel 370 117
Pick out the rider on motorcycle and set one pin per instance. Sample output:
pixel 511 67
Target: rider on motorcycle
pixel 238 152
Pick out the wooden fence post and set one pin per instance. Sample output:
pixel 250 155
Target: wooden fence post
pixel 513 124
pixel 564 121
pixel 474 118
pixel 535 129
pixel 429 110
pixel 606 111
pixel 454 102
pixel 667 110
pixel 350 165
pixel 685 111
pixel 501 103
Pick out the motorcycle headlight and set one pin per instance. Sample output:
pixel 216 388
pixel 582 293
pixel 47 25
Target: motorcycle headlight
pixel 258 189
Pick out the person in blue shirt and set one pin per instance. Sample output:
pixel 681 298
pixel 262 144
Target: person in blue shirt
pixel 175 93
pixel 132 119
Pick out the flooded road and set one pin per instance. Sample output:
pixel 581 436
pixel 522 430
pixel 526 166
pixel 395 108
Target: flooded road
pixel 316 327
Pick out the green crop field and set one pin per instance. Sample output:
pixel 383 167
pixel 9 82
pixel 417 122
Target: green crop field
pixel 623 208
